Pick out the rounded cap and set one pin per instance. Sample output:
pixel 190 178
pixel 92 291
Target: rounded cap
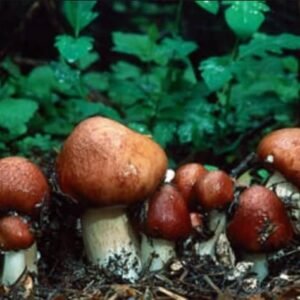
pixel 214 190
pixel 103 162
pixel 283 148
pixel 185 178
pixel 23 186
pixel 15 234
pixel 168 216
pixel 260 222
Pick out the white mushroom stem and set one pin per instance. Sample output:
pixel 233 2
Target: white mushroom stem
pixel 260 264
pixel 14 264
pixel 217 224
pixel 290 196
pixel 111 242
pixel 155 253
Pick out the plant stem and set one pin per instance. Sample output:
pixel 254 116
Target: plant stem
pixel 178 17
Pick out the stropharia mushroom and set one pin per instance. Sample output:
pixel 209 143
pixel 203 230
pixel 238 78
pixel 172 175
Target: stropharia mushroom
pixel 186 177
pixel 107 167
pixel 281 149
pixel 167 220
pixel 23 189
pixel 260 222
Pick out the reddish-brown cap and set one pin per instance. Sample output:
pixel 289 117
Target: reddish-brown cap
pixel 168 216
pixel 185 178
pixel 15 234
pixel 260 222
pixel 214 190
pixel 23 186
pixel 103 162
pixel 283 147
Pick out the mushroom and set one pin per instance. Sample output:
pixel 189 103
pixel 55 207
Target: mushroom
pixel 259 224
pixel 214 191
pixel 167 220
pixel 23 189
pixel 107 167
pixel 186 177
pixel 281 150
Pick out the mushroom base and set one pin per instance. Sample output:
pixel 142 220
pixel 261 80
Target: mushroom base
pixel 14 263
pixel 110 241
pixel 155 253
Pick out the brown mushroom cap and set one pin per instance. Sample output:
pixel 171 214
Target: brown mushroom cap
pixel 260 222
pixel 284 146
pixel 23 186
pixel 185 178
pixel 214 190
pixel 168 216
pixel 103 162
pixel 15 234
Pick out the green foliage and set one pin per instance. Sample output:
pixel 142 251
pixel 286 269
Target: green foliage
pixel 153 84
pixel 210 6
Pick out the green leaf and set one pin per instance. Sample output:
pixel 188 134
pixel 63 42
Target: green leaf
pixel 124 70
pixel 245 17
pixel 95 80
pixel 73 49
pixel 216 72
pixel 139 45
pixel 40 82
pixel 87 60
pixel 79 13
pixel 211 6
pixel 67 79
pixel 261 45
pixel 163 132
pixel 139 113
pixel 15 113
pixel 139 127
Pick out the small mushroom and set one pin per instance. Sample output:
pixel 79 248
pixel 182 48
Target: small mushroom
pixel 186 177
pixel 281 150
pixel 23 189
pixel 167 220
pixel 214 191
pixel 259 225
pixel 106 167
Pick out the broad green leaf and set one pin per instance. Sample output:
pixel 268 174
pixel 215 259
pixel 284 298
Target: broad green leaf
pixel 40 81
pixel 11 68
pixel 216 72
pixel 87 60
pixel 15 113
pixel 261 44
pixel 73 49
pixel 186 132
pixel 43 143
pixel 245 17
pixel 139 45
pixel 79 13
pixel 96 80
pixel 67 79
pixel 163 132
pixel 124 70
pixel 139 113
pixel 211 6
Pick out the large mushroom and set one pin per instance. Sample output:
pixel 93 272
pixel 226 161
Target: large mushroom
pixel 23 189
pixel 281 150
pixel 107 166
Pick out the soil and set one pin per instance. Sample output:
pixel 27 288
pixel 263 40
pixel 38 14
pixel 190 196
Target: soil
pixel 65 273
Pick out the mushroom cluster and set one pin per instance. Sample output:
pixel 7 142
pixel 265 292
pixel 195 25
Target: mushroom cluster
pixel 23 189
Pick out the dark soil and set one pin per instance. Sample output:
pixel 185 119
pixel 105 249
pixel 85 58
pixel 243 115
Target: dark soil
pixel 64 272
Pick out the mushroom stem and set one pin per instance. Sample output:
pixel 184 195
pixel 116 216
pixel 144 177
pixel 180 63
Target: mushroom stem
pixel 155 252
pixel 289 195
pixel 110 241
pixel 217 224
pixel 260 264
pixel 14 264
